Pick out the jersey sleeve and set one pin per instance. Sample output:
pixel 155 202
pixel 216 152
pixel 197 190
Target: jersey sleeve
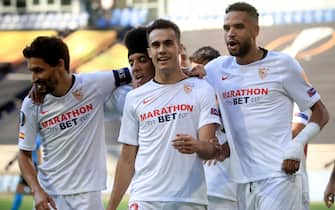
pixel 115 103
pixel 209 112
pixel 300 116
pixel 107 81
pixel 28 127
pixel 297 88
pixel 129 123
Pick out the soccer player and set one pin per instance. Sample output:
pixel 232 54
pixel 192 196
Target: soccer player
pixel 70 122
pixel 166 129
pixel 256 89
pixel 142 70
pixel 221 190
pixel 203 55
pixel 330 190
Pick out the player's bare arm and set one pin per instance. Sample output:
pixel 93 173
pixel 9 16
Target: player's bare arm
pixel 36 96
pixel 42 199
pixel 124 172
pixel 195 71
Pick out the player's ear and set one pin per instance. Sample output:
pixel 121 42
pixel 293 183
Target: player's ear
pixel 60 63
pixel 256 30
pixel 149 52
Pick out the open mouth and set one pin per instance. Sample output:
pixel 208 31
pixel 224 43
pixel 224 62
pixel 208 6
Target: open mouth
pixel 138 77
pixel 41 87
pixel 162 59
pixel 232 44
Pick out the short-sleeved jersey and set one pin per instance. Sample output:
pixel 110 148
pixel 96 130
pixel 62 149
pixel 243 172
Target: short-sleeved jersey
pixel 219 183
pixel 73 135
pixel 300 116
pixel 256 103
pixel 153 115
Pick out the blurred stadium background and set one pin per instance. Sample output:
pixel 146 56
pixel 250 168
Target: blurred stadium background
pixel 94 31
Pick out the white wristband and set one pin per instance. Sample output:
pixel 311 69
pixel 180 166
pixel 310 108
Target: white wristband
pixel 311 130
pixel 295 148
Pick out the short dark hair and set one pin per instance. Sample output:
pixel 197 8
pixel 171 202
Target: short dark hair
pixel 204 54
pixel 136 40
pixel 164 24
pixel 244 7
pixel 50 49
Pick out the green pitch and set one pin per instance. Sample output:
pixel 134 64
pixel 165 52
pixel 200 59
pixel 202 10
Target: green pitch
pixel 6 202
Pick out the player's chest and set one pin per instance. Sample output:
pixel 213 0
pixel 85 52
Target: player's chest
pixel 249 86
pixel 67 113
pixel 168 107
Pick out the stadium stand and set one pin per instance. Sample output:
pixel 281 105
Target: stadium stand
pixel 12 43
pixel 85 44
pixel 113 58
pixel 43 20
pixel 125 17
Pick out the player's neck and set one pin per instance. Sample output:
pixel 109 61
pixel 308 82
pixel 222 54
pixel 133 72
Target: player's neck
pixel 65 85
pixel 168 77
pixel 253 55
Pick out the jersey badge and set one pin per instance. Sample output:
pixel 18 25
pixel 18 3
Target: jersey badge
pixel 311 92
pixel 263 72
pixel 78 94
pixel 22 118
pixel 215 112
pixel 187 88
pixel 21 135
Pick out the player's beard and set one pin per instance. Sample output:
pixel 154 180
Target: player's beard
pixel 243 50
pixel 43 87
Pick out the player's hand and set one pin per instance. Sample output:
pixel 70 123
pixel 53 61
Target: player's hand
pixel 35 95
pixel 210 162
pixel 185 144
pixel 223 152
pixel 290 166
pixel 43 201
pixel 329 193
pixel 196 71
pixel 135 83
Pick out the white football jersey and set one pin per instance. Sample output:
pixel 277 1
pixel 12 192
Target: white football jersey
pixel 256 103
pixel 300 116
pixel 153 115
pixel 72 129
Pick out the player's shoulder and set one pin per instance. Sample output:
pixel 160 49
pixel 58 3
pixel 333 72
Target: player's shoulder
pixel 223 59
pixel 197 83
pixel 279 56
pixel 27 103
pixel 137 92
pixel 94 76
pixel 222 62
